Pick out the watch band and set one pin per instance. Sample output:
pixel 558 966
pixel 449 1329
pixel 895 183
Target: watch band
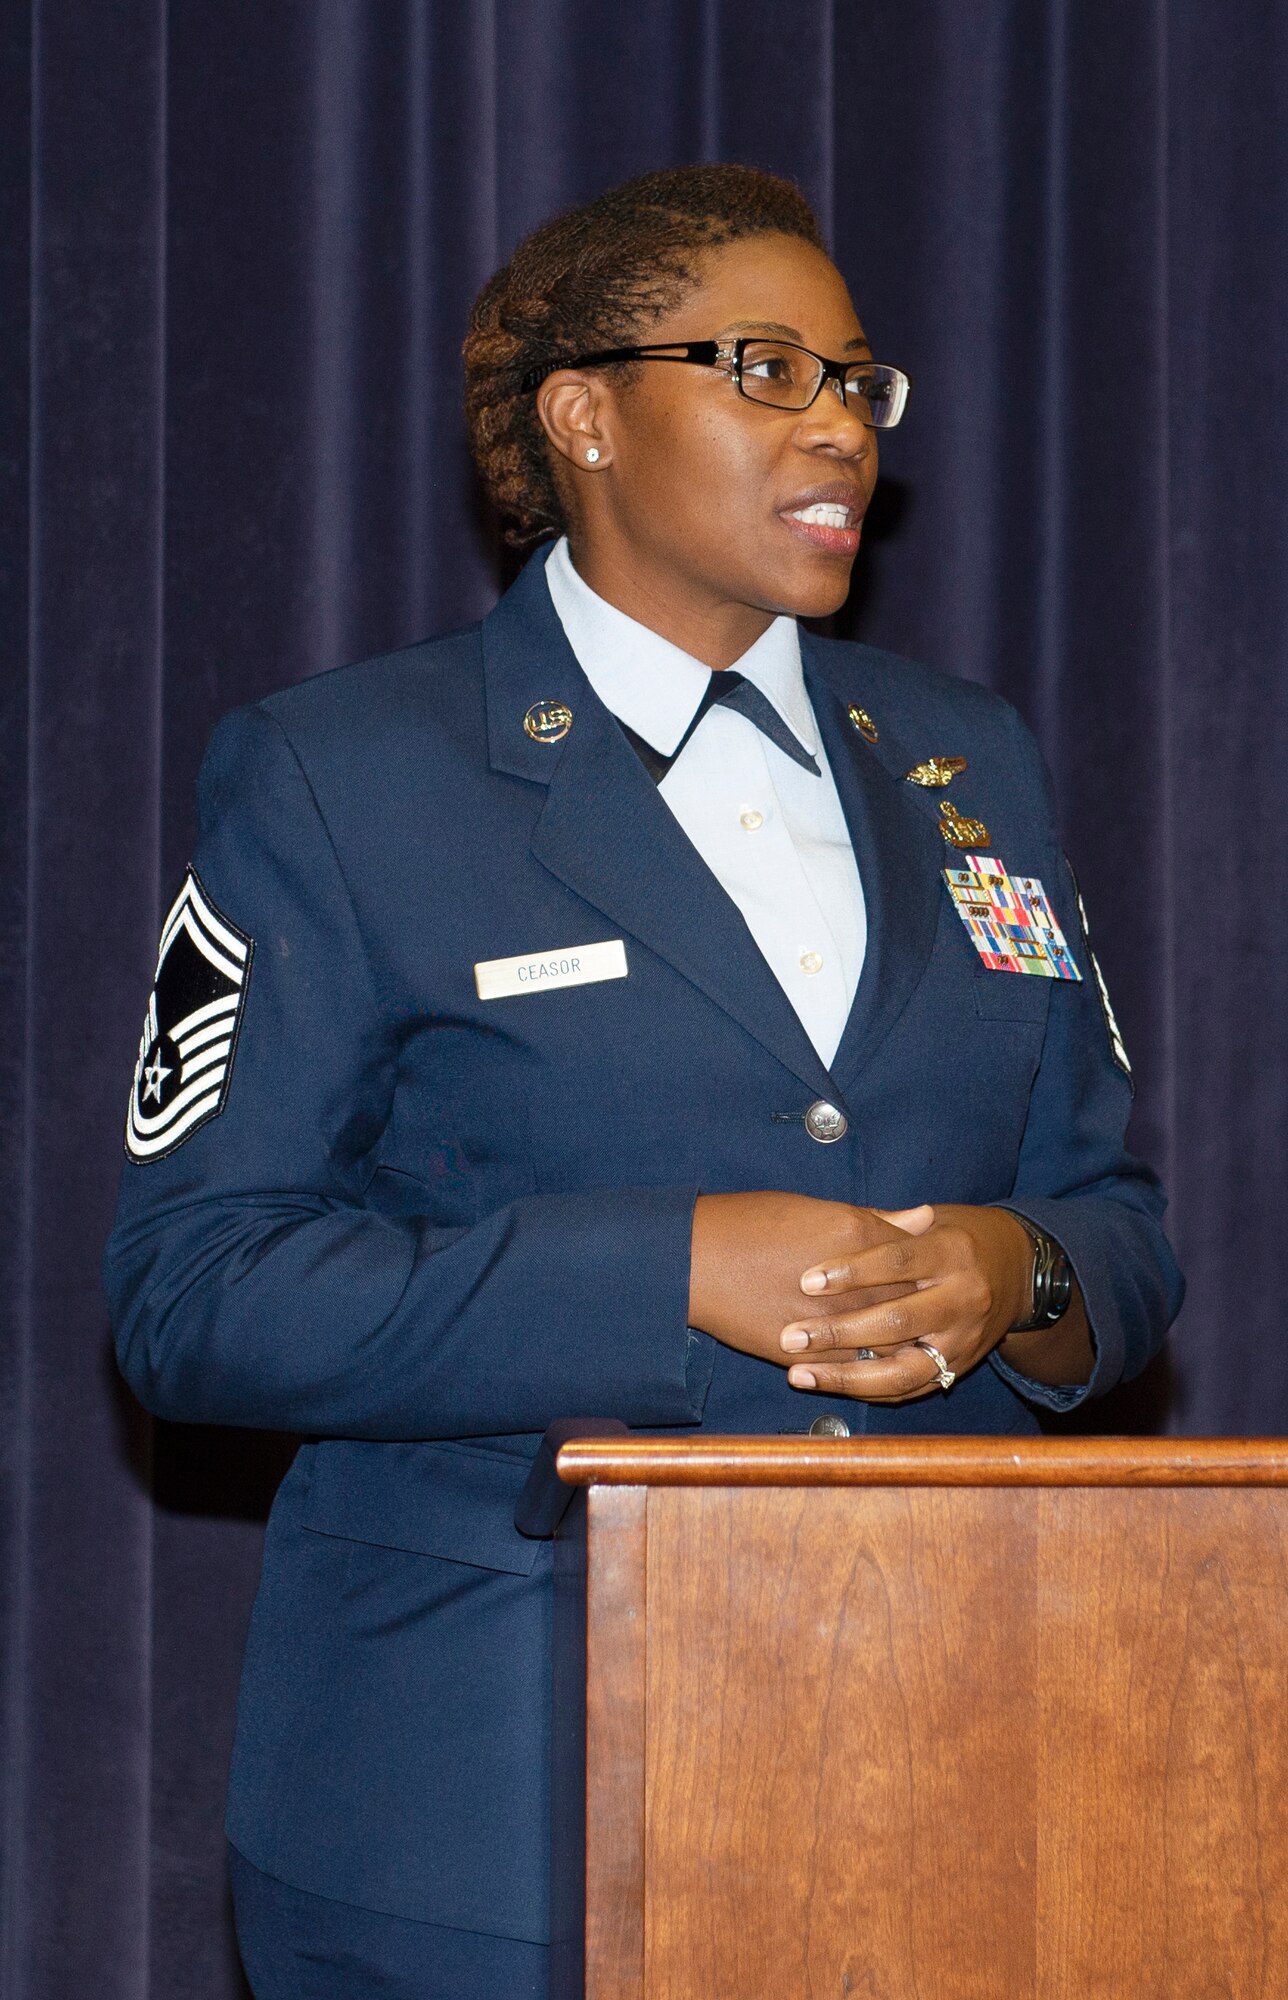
pixel 1052 1278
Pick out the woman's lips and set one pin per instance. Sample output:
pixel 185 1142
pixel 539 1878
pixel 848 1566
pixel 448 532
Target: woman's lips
pixel 829 525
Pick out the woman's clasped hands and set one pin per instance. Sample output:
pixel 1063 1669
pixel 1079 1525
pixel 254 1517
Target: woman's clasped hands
pixel 964 1276
pixel 852 1300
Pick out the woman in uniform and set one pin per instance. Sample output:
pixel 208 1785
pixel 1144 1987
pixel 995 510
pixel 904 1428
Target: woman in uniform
pixel 632 1006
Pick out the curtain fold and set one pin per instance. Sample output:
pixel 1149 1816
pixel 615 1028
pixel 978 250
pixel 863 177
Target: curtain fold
pixel 81 880
pixel 237 247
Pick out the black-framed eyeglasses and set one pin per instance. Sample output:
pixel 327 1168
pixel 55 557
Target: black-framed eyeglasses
pixel 766 371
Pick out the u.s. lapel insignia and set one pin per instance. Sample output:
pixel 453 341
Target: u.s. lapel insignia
pixel 960 832
pixel 863 723
pixel 548 721
pixel 935 773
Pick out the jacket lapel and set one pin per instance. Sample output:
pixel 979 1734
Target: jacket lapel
pixel 606 834
pixel 899 850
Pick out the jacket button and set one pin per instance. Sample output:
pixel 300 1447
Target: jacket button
pixel 829 1427
pixel 825 1123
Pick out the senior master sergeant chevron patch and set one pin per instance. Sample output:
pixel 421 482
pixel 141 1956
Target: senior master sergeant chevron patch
pixel 190 1034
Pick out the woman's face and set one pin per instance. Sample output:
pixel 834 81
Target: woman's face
pixel 695 487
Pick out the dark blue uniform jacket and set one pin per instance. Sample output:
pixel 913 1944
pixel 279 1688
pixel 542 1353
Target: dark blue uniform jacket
pixel 416 1226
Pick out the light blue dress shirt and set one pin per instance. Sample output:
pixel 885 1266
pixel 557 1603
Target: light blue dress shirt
pixel 773 835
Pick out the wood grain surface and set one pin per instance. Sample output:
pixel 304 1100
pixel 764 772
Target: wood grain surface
pixel 1162 1746
pixel 943 1742
pixel 616 1718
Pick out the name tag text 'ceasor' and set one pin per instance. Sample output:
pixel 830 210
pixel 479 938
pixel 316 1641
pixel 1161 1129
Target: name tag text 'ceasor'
pixel 538 972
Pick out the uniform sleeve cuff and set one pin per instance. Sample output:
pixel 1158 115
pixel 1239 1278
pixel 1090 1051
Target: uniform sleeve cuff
pixel 1044 1394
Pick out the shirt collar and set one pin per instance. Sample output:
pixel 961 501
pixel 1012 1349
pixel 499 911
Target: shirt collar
pixel 655 687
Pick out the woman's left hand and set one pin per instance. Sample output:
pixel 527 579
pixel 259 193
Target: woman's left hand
pixel 973 1271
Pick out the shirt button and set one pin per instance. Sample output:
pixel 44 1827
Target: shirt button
pixel 751 819
pixel 829 1427
pixel 811 961
pixel 826 1122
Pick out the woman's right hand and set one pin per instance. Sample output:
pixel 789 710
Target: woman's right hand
pixel 749 1252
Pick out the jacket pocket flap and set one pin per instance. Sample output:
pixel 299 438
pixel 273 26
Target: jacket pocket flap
pixel 430 1499
pixel 1012 996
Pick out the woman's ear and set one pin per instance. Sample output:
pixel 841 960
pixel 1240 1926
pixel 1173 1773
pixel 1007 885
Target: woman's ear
pixel 574 416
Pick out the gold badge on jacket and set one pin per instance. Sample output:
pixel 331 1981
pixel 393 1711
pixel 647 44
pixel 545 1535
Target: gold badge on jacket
pixel 548 721
pixel 935 773
pixel 863 723
pixel 959 831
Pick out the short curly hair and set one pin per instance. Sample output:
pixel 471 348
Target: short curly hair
pixel 596 277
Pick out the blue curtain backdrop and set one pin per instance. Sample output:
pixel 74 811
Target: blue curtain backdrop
pixel 237 247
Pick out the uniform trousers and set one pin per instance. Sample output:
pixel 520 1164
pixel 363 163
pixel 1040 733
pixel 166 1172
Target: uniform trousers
pixel 295 1946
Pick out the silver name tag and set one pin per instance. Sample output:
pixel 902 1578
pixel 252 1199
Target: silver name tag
pixel 538 972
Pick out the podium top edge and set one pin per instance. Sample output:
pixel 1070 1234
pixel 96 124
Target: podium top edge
pixel 933 1461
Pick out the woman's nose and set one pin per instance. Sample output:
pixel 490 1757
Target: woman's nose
pixel 835 416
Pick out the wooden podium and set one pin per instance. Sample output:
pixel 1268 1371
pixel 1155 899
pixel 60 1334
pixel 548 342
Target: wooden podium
pixel 941 1719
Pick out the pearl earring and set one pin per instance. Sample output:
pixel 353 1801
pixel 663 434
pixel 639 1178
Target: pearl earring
pixel 592 456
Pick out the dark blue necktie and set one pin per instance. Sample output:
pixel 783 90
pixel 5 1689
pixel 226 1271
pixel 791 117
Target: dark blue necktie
pixel 729 690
